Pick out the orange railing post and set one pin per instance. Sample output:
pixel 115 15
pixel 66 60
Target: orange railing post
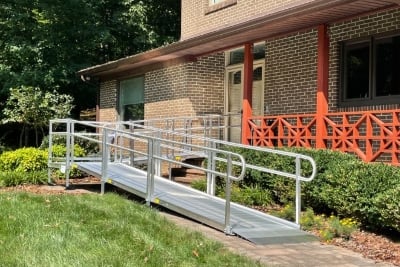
pixel 322 84
pixel 247 92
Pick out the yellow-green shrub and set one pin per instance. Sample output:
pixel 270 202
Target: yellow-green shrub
pixel 25 159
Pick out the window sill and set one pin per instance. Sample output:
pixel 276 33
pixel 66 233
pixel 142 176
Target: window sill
pixel 219 6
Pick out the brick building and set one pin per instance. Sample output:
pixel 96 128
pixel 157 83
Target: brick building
pixel 301 72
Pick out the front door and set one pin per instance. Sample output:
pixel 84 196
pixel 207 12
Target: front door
pixel 234 81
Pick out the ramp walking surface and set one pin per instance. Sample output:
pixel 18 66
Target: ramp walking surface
pixel 255 226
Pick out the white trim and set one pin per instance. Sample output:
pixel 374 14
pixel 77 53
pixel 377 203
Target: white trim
pixel 239 67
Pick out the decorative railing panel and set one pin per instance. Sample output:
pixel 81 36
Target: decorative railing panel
pixel 372 135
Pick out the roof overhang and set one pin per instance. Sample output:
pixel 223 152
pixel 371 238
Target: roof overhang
pixel 304 14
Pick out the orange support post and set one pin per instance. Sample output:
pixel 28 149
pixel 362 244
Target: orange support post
pixel 247 92
pixel 322 84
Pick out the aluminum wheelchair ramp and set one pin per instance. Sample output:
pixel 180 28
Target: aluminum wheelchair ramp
pixel 247 223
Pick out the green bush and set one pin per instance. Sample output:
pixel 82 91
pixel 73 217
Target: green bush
pixel 87 146
pixel 250 196
pixel 388 204
pixel 344 185
pixel 24 160
pixel 61 151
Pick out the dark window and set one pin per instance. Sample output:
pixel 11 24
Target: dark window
pixel 237 56
pixel 371 70
pixel 387 71
pixel 131 99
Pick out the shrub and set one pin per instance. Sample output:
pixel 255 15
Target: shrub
pixel 61 151
pixel 200 184
pixel 250 196
pixel 388 204
pixel 23 160
pixel 309 220
pixel 344 185
pixel 87 146
pixel 288 212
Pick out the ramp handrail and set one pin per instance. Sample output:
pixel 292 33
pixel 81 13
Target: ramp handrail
pixel 214 142
pixel 153 153
pixel 144 130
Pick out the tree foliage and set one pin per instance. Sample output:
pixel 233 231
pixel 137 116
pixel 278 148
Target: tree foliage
pixel 43 43
pixel 33 107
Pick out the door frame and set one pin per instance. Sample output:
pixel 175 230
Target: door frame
pixel 237 67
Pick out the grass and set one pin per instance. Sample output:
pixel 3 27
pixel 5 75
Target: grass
pixel 94 230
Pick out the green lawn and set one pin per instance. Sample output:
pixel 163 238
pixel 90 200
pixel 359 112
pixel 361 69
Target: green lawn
pixel 94 230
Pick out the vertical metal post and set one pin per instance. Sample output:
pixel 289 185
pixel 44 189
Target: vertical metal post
pixel 150 172
pixel 157 153
pixel 50 152
pixel 105 158
pixel 68 153
pixel 298 190
pixel 72 144
pixel 115 143
pixel 211 166
pixel 131 145
pixel 228 228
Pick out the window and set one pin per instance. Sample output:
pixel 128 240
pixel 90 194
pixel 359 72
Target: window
pixel 237 56
pixel 371 70
pixel 131 99
pixel 215 5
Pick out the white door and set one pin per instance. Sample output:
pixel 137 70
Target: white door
pixel 234 81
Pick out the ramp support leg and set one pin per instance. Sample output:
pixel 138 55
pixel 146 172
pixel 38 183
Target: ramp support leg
pixel 104 164
pixel 211 166
pixel 228 228
pixel 150 172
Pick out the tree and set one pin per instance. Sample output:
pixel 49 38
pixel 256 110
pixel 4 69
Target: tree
pixel 43 43
pixel 33 108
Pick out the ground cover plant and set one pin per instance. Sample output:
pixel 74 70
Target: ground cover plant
pixel 95 230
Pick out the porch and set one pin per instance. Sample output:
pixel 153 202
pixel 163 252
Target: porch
pixel 371 135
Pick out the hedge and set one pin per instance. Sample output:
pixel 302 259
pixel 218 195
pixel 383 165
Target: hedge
pixel 344 185
pixel 27 165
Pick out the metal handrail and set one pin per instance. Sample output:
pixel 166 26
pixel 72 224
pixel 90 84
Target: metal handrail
pixel 168 138
pixel 296 156
pixel 154 144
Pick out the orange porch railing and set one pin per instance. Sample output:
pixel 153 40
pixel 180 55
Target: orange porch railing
pixel 372 135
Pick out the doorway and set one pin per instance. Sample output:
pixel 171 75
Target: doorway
pixel 234 92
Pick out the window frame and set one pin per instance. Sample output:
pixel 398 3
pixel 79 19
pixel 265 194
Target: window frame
pixel 121 105
pixel 212 6
pixel 372 98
